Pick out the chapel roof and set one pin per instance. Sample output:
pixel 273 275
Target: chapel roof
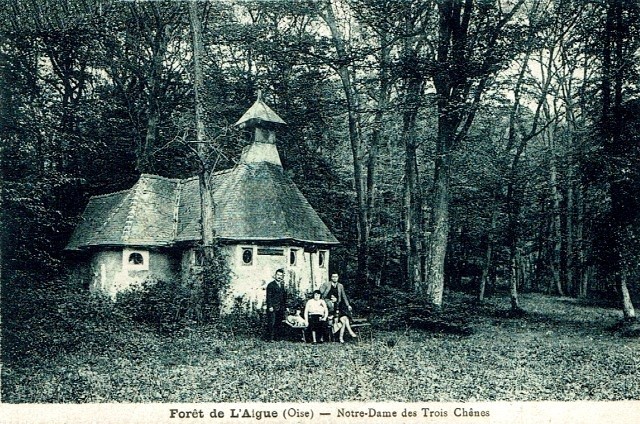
pixel 254 201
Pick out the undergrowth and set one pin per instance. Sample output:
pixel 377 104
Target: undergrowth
pixel 61 344
pixel 393 309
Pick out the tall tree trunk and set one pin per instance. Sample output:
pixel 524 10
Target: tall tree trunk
pixel 453 80
pixel 377 135
pixel 488 252
pixel 574 244
pixel 206 294
pixel 143 155
pixel 513 278
pixel 412 203
pixel 206 199
pixel 408 221
pixel 540 246
pixel 359 178
pixel 158 48
pixel 613 70
pixel 555 223
pixel 627 306
pixel 582 276
pixel 569 264
pixel 512 237
pixel 440 208
pixel 377 132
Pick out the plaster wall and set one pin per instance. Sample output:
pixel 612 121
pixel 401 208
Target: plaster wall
pixel 111 274
pixel 249 280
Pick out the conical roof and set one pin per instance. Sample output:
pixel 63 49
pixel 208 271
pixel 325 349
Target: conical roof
pixel 259 112
pixel 255 201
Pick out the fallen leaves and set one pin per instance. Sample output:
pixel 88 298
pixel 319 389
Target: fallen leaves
pixel 556 351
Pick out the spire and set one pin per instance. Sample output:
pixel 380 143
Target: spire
pixel 262 119
pixel 259 112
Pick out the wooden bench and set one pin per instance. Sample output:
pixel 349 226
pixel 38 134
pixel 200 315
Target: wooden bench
pixel 356 323
pixel 302 328
pixel 361 324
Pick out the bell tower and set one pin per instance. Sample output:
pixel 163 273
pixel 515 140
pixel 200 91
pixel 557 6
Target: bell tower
pixel 264 121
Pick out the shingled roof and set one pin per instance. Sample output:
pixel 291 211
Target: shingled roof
pixel 142 215
pixel 259 113
pixel 254 202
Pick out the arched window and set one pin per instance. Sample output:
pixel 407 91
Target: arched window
pixel 247 256
pixel 293 256
pixel 136 258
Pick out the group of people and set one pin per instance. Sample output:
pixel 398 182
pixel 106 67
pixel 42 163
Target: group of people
pixel 327 311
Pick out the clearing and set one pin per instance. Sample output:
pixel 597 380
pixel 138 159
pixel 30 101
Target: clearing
pixel 560 350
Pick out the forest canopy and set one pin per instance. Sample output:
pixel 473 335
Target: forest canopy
pixel 467 145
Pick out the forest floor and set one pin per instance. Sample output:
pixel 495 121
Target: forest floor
pixel 560 349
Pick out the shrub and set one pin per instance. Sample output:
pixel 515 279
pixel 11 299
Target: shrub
pixel 244 318
pixel 209 279
pixel 392 309
pixel 164 305
pixel 43 319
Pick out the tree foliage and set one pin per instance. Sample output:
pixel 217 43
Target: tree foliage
pixel 455 144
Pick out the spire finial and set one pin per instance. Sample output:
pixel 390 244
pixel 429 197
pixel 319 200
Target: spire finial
pixel 259 113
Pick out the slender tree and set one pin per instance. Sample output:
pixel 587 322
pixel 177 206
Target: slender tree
pixel 618 47
pixel 470 45
pixel 346 73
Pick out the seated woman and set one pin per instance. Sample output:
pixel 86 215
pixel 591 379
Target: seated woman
pixel 315 315
pixel 341 320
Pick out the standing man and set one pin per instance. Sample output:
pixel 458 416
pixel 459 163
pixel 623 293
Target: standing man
pixel 334 288
pixel 276 305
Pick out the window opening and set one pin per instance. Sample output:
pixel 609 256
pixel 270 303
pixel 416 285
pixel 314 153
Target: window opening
pixel 136 259
pixel 247 256
pixel 198 257
pixel 322 258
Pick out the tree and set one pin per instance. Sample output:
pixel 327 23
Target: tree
pixel 618 47
pixel 352 97
pixel 144 62
pixel 46 148
pixel 207 205
pixel 473 41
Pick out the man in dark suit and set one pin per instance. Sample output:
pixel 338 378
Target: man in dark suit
pixel 276 305
pixel 336 289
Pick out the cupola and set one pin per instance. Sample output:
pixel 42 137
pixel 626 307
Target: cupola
pixel 263 120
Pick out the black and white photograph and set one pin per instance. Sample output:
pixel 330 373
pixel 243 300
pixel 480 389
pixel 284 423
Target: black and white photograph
pixel 320 211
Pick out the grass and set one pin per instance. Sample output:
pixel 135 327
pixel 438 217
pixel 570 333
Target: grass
pixel 559 350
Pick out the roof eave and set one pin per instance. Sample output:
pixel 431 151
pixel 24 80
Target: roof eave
pixel 278 240
pixel 85 247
